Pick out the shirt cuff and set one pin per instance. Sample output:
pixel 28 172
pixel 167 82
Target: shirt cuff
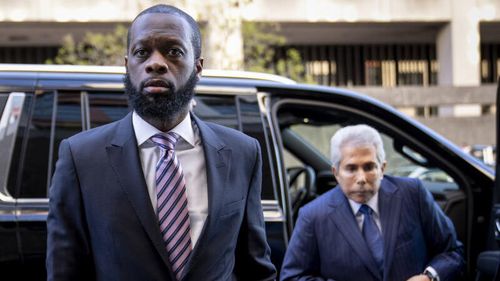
pixel 432 271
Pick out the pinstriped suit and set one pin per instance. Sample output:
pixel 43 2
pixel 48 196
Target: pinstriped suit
pixel 327 243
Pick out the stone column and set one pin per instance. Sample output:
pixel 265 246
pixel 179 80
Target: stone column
pixel 458 50
pixel 223 47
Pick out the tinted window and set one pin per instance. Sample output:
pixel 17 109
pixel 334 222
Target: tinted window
pixel 29 169
pixel 35 152
pixel 68 120
pixel 306 131
pixel 106 107
pixel 241 113
pixel 217 109
pixel 251 123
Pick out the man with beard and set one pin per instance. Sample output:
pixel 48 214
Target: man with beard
pixel 371 227
pixel 160 194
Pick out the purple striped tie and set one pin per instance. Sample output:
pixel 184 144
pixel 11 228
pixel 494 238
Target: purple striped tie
pixel 172 208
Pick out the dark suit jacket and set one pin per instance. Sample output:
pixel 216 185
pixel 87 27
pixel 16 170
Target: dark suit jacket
pixel 102 226
pixel 327 243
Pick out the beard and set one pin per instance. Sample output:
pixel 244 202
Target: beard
pixel 160 106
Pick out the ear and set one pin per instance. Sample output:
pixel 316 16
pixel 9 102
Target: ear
pixel 383 166
pixel 199 67
pixel 334 171
pixel 126 60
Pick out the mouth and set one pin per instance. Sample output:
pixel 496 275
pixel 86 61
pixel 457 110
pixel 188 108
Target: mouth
pixel 157 86
pixel 359 193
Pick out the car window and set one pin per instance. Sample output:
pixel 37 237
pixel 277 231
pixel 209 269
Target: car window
pixel 106 107
pixel 251 122
pixel 306 128
pixel 217 109
pixel 12 118
pixel 306 133
pixel 47 119
pixel 243 114
pixel 28 175
pixel 68 118
pixel 398 164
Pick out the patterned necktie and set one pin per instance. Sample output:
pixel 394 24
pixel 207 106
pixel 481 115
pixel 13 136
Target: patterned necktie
pixel 172 208
pixel 372 236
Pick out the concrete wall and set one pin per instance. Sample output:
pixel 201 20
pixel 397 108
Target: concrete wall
pixel 460 130
pixel 437 95
pixel 261 10
pixel 349 10
pixel 464 130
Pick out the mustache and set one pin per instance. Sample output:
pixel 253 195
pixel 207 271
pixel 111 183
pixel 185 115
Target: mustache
pixel 156 82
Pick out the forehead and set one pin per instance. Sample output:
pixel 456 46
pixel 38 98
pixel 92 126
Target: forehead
pixel 355 153
pixel 159 24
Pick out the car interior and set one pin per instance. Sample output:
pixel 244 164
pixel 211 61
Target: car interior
pixel 306 131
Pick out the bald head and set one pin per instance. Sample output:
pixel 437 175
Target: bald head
pixel 171 10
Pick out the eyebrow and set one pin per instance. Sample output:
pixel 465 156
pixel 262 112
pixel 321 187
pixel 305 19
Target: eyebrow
pixel 165 40
pixel 362 164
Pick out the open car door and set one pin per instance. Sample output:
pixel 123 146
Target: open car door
pixel 488 262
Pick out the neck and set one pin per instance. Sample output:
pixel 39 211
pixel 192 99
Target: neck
pixel 167 124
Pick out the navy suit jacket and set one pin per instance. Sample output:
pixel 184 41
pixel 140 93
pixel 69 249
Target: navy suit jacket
pixel 327 243
pixel 102 226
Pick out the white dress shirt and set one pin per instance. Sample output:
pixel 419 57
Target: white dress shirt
pixel 189 151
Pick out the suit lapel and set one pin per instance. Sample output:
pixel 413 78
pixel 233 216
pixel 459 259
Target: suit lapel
pixel 342 216
pixel 217 162
pixel 390 210
pixel 124 158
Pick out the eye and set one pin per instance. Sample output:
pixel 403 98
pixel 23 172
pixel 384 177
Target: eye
pixel 350 168
pixel 370 167
pixel 175 52
pixel 141 53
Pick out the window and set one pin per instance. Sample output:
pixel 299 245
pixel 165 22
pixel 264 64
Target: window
pixel 399 163
pixel 306 130
pixel 68 121
pixel 29 168
pixel 105 108
pixel 252 125
pixel 217 109
pixel 241 113
pixel 48 118
pixel 36 149
pixel 368 64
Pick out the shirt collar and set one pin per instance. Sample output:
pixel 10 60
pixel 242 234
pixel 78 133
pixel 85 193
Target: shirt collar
pixel 144 131
pixel 372 203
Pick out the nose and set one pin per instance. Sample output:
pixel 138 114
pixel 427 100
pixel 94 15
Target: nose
pixel 156 64
pixel 360 177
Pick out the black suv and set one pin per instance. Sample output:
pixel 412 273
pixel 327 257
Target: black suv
pixel 41 105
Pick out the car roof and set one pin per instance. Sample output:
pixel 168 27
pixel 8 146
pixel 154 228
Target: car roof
pixel 97 69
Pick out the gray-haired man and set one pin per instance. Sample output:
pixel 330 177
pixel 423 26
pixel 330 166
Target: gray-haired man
pixel 372 227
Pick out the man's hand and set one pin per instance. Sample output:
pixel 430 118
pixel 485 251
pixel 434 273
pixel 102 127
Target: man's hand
pixel 419 277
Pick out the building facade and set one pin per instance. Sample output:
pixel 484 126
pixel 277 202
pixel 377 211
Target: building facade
pixel 437 44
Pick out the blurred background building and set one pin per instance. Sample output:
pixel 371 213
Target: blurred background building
pixel 436 60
